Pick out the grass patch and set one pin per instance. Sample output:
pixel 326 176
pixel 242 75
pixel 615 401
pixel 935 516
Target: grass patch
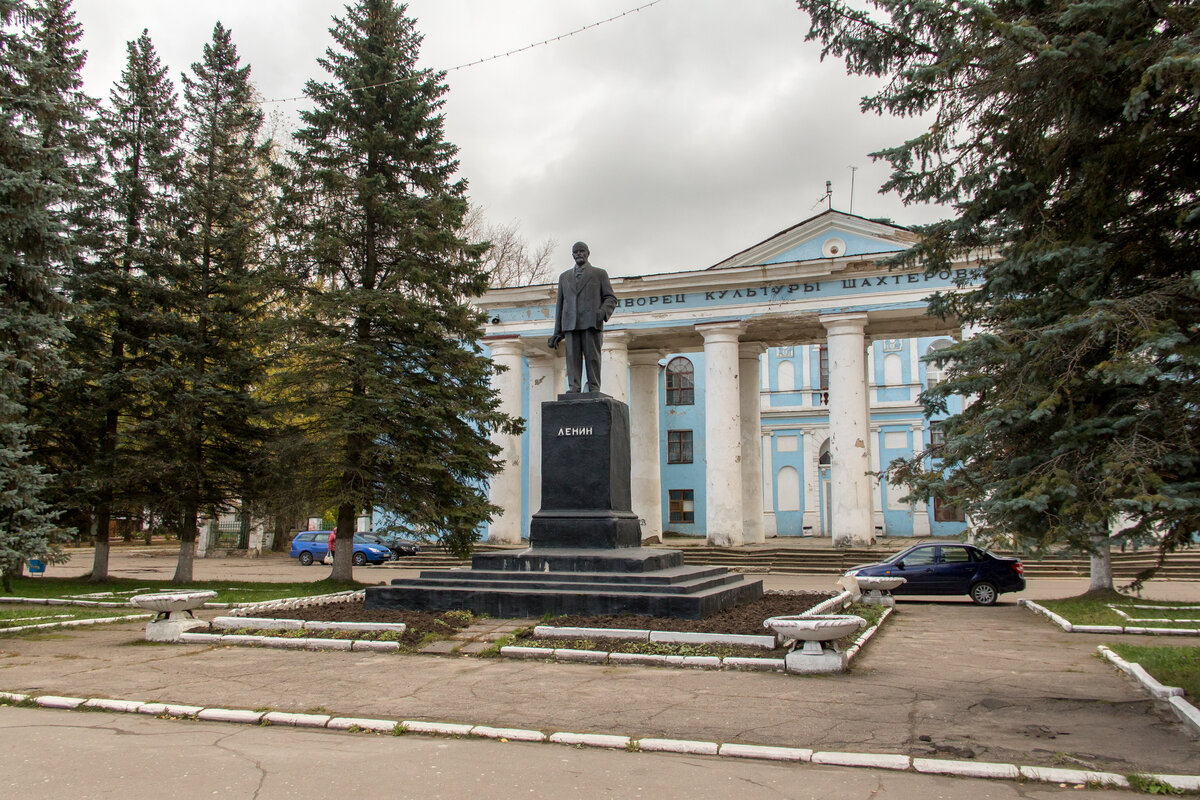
pixel 13 617
pixel 1098 609
pixel 122 589
pixel 1172 666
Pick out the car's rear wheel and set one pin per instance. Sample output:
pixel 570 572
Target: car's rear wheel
pixel 359 559
pixel 984 593
pixel 305 558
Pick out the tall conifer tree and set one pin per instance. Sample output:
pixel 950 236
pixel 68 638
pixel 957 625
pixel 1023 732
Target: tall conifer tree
pixel 118 299
pixel 44 148
pixel 396 382
pixel 204 422
pixel 1065 133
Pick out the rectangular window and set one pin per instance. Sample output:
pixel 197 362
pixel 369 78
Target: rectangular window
pixel 946 511
pixel 681 506
pixel 937 436
pixel 823 361
pixel 679 447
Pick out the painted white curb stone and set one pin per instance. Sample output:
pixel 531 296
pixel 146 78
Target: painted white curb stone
pixel 14 697
pixel 1187 783
pixel 764 664
pixel 436 728
pixel 512 734
pixel 766 751
pixel 170 709
pixel 230 715
pixel 200 638
pixel 329 644
pixel 624 634
pixel 568 654
pixel 967 769
pixel 649 659
pixel 1045 612
pixel 686 746
pixel 875 760
pixel 1074 776
pixel 124 706
pixel 743 640
pixel 54 701
pixel 378 647
pixel 1097 629
pixel 591 740
pixel 377 725
pixel 1139 673
pixel 702 662
pixel 1186 712
pixel 514 651
pixel 297 720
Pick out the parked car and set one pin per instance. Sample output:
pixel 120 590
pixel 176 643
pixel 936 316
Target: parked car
pixel 396 543
pixel 310 546
pixel 950 568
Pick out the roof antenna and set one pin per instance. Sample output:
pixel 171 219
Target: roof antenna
pixel 852 171
pixel 828 196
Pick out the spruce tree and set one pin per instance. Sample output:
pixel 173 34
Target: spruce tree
pixel 42 148
pixel 203 423
pixel 394 378
pixel 1064 134
pixel 118 299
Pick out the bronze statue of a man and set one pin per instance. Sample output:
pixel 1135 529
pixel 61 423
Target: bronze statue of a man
pixel 585 302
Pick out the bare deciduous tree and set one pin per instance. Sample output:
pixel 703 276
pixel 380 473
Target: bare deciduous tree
pixel 509 260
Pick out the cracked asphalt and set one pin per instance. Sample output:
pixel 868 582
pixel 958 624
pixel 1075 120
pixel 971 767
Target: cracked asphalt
pixel 944 679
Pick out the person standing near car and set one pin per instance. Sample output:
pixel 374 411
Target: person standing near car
pixel 332 541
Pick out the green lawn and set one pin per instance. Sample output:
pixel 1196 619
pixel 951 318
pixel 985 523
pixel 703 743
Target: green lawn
pixel 20 615
pixel 1171 666
pixel 1100 610
pixel 120 590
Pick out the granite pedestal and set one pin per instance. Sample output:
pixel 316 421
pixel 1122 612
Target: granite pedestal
pixel 585 554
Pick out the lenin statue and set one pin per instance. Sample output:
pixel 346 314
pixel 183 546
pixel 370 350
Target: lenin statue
pixel 585 302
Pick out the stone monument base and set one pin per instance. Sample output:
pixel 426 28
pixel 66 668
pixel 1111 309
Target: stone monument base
pixel 537 582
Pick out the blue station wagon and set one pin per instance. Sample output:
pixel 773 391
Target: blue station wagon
pixel 310 546
pixel 950 568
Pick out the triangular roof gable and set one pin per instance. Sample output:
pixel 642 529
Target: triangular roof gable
pixel 830 234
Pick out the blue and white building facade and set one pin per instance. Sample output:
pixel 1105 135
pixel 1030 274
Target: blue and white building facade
pixel 765 392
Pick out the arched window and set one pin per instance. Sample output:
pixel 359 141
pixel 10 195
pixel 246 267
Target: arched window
pixel 933 373
pixel 893 370
pixel 823 457
pixel 681 384
pixel 786 380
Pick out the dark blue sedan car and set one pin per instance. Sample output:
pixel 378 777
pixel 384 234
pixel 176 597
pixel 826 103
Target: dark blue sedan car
pixel 313 546
pixel 950 568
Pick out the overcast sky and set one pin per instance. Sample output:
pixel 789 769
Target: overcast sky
pixel 668 139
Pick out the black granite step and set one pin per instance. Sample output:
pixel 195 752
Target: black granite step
pixel 572 582
pixel 662 577
pixel 522 601
pixel 581 559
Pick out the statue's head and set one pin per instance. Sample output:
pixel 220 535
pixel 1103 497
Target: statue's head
pixel 580 252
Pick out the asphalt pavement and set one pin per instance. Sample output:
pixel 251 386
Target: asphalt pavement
pixel 944 679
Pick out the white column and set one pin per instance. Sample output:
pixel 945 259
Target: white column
pixel 722 434
pixel 848 430
pixel 749 354
pixel 920 511
pixel 644 444
pixel 614 366
pixel 505 488
pixel 541 390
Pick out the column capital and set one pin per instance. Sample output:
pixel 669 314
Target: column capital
pixel 751 349
pixel 615 340
pixel 853 322
pixel 645 358
pixel 719 332
pixel 505 347
pixel 539 360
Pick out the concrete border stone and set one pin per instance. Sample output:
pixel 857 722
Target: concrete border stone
pixel 569 654
pixel 297 720
pixel 230 715
pixel 685 746
pixel 762 664
pixel 436 728
pixel 874 760
pixel 1074 776
pixel 512 734
pixel 55 701
pixel 362 723
pixel 514 651
pixel 568 632
pixel 966 769
pixel 768 752
pixel 123 706
pixel 591 740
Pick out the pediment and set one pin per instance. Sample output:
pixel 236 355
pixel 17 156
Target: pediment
pixel 829 235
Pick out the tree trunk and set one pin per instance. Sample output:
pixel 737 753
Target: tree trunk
pixel 100 523
pixel 187 547
pixel 1102 579
pixel 343 551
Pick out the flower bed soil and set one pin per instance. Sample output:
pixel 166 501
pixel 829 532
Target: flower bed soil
pixel 744 619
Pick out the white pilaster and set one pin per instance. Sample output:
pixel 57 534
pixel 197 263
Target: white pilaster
pixel 920 511
pixel 644 443
pixel 541 390
pixel 505 487
pixel 770 524
pixel 848 430
pixel 614 365
pixel 812 481
pixel 749 354
pixel 722 434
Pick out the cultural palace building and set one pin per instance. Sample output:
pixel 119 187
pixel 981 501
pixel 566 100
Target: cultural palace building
pixel 764 392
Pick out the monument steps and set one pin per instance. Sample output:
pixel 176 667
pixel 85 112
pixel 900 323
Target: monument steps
pixel 684 582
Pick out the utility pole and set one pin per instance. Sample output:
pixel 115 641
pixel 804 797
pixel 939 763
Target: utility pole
pixel 852 171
